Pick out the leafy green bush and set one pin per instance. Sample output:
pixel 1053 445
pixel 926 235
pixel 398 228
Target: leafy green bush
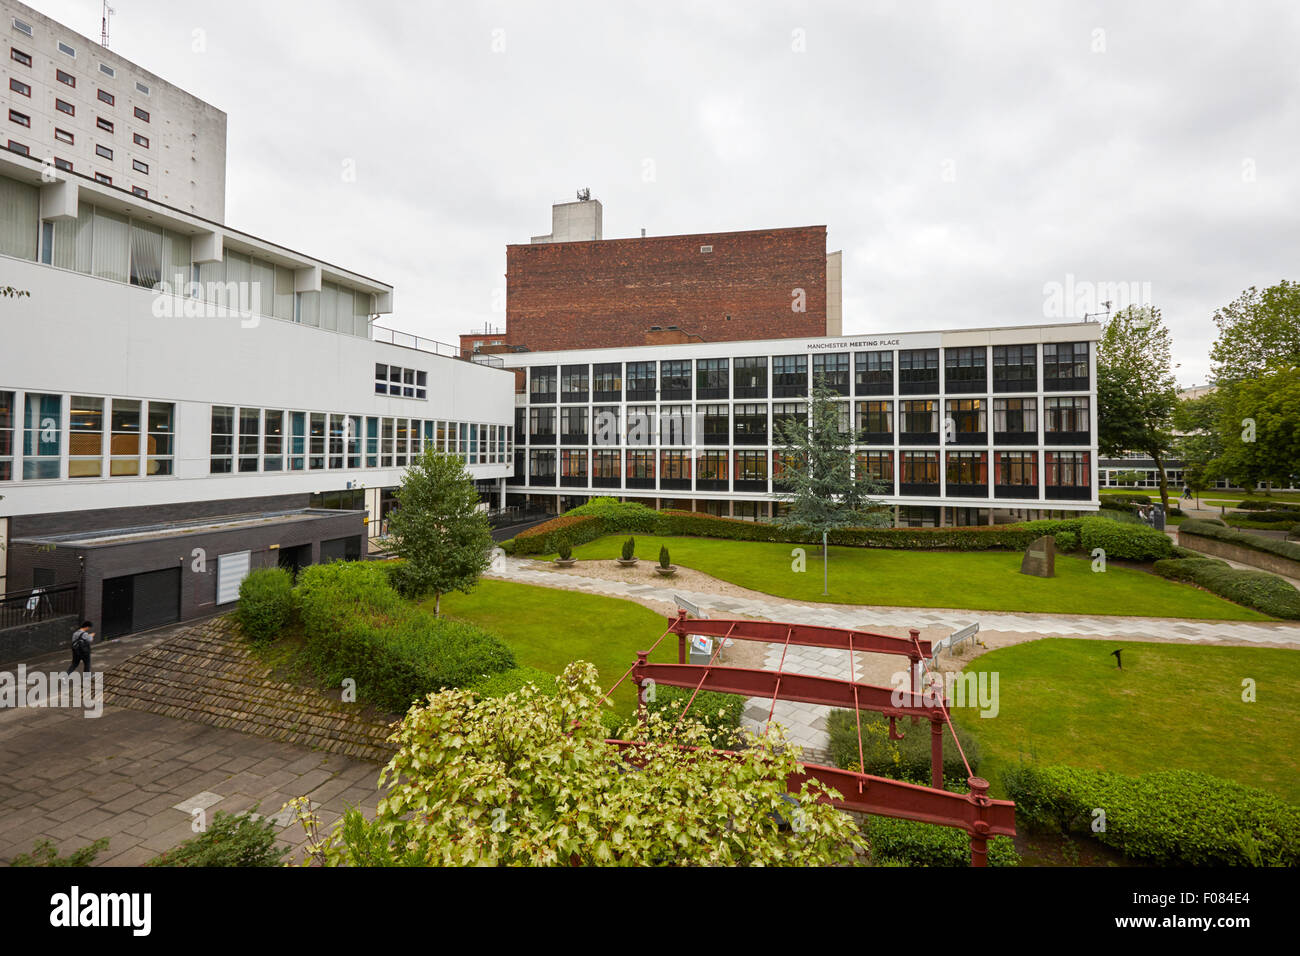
pixel 229 840
pixel 1268 504
pixel 629 549
pixel 720 713
pixel 1167 818
pixel 909 843
pixel 617 516
pixel 906 759
pixel 1130 542
pixel 265 603
pixel 358 627
pixel 1260 590
pixel 1255 542
pixel 45 853
pixel 1262 520
pixel 507 682
pixel 560 546
pixel 1067 541
pixel 578 529
pixel 1125 498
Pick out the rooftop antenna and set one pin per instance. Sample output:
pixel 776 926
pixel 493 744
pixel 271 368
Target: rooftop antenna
pixel 584 194
pixel 108 13
pixel 1089 315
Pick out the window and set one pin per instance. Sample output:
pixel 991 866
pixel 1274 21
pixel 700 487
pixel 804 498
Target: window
pixel 103 151
pixel 607 382
pixel 968 473
pixel 918 473
pixel 18 56
pixel 42 436
pixel 751 377
pixel 105 125
pixel 67 50
pixel 19 87
pixel 876 422
pixel 106 98
pixel 223 440
pixel 751 471
pixel 63 106
pixel 142 193
pixel 319 441
pixel 273 441
pixel 1068 474
pixel 22 26
pixel 1016 474
pixel 6 436
pixel 140 140
pixel 715 423
pixel 675 469
pixel 541 426
pixel 873 373
pixel 964 369
pixel 878 465
pixel 606 469
pixel 711 471
pixel 832 370
pixel 711 378
pixel 1066 420
pixel 22 119
pixel 789 376
pixel 250 438
pixel 107 70
pixel 969 417
pixel 104 178
pixel 141 115
pixel 141 88
pixel 640 381
pixel 541 467
pixel 67 79
pixel 64 136
pixel 574 383
pixel 784 413
pixel 17 147
pixel 86 437
pixel 125 438
pixel 139 167
pixel 918 371
pixel 1015 368
pixel 919 422
pixel 751 424
pixel 541 383
pixel 1015 420
pixel 605 427
pixel 675 379
pixel 1065 366
pixel 573 425
pixel 675 425
pixel 640 469
pixel 573 467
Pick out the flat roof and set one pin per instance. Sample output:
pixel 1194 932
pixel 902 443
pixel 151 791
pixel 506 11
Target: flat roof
pixel 107 536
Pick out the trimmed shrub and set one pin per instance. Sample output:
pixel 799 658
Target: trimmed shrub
pixel 720 713
pixel 578 529
pixel 617 516
pixel 1066 541
pixel 1255 542
pixel 906 759
pixel 909 843
pixel 1260 590
pixel 1262 520
pixel 265 604
pixel 1125 497
pixel 358 627
pixel 629 549
pixel 229 840
pixel 664 561
pixel 1166 818
pixel 507 682
pixel 1268 504
pixel 1131 542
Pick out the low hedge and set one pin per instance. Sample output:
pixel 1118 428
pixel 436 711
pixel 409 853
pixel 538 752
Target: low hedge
pixel 1268 504
pixel 1130 542
pixel 1126 497
pixel 1263 520
pixel 358 627
pixel 576 529
pixel 266 604
pixel 1166 818
pixel 1255 542
pixel 982 538
pixel 619 516
pixel 1266 593
pixel 907 759
pixel 909 843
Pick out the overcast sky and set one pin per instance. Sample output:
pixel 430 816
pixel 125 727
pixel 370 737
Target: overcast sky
pixel 964 155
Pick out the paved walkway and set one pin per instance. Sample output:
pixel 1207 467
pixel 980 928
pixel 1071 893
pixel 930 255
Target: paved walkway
pixel 805 724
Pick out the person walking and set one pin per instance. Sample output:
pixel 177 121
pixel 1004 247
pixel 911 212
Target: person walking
pixel 82 638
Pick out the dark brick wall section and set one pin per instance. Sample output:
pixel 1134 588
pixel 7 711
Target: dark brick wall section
pixel 609 293
pixel 40 637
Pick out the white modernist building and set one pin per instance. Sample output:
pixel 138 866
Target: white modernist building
pixel 168 384
pixel 79 107
pixel 961 427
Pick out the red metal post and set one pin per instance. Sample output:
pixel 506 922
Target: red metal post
pixel 913 668
pixel 637 679
pixel 682 638
pixel 979 838
pixel 936 751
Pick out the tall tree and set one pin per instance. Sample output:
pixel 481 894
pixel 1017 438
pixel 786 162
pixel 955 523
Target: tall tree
pixel 1136 388
pixel 1259 428
pixel 1257 330
pixel 438 528
pixel 818 476
pixel 1197 443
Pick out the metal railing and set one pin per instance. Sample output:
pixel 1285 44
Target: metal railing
pixel 27 607
pixel 407 340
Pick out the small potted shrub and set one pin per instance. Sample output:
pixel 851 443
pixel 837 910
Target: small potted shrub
pixel 564 550
pixel 629 554
pixel 663 568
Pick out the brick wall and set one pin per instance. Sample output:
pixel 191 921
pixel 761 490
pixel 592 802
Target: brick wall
pixel 610 293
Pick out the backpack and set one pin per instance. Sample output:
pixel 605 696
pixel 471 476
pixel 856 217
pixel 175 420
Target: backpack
pixel 79 642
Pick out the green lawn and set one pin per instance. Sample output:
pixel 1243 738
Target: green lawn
pixel 978 580
pixel 1173 706
pixel 547 628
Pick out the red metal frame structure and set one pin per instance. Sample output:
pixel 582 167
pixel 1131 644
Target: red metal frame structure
pixel 974 812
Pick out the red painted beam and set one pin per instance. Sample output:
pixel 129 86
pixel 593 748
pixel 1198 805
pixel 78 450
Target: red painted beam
pixel 799 687
pixel 802 635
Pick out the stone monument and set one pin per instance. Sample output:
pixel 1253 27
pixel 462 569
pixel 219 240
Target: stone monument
pixel 1040 559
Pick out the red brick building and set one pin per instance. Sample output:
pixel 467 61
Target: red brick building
pixel 721 286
